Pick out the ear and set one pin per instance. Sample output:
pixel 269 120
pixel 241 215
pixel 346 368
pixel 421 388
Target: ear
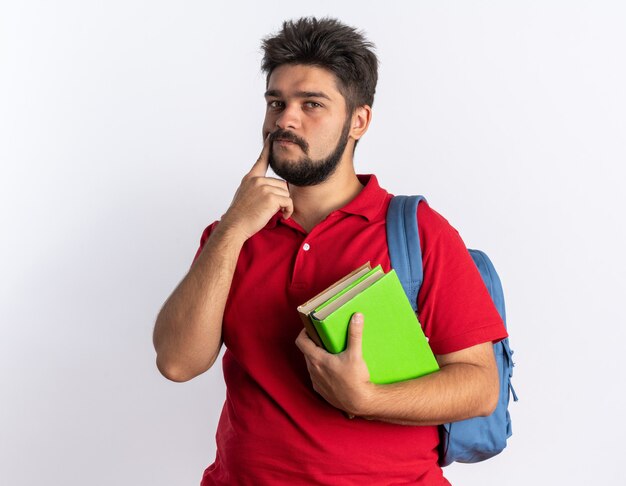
pixel 360 121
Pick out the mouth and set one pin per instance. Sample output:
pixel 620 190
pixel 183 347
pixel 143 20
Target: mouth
pixel 287 141
pixel 283 142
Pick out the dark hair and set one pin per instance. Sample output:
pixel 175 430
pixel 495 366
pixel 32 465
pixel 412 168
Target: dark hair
pixel 329 44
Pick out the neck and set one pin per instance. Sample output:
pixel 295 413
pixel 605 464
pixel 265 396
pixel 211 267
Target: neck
pixel 312 204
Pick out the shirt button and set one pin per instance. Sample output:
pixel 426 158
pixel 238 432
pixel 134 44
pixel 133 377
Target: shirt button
pixel 306 247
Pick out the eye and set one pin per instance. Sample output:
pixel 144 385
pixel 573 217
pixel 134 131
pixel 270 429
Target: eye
pixel 312 104
pixel 275 104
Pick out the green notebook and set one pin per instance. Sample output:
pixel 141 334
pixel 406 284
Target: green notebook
pixel 394 345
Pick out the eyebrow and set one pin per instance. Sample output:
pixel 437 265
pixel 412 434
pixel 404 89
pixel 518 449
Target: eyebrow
pixel 275 93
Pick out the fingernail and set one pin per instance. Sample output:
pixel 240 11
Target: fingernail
pixel 358 318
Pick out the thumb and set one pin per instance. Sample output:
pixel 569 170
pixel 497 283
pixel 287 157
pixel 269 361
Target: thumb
pixel 355 333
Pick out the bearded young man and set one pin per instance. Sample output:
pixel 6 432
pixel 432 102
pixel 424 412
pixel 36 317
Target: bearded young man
pixel 285 418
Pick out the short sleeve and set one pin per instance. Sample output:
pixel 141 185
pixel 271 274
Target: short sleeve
pixel 454 306
pixel 204 238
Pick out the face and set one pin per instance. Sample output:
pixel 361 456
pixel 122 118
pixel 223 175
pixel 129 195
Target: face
pixel 307 122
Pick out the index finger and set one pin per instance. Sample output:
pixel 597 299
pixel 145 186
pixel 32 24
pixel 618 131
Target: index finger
pixel 307 346
pixel 259 169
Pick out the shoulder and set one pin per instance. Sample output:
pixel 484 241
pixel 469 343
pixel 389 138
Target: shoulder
pixel 431 219
pixel 207 232
pixel 433 228
pixel 205 236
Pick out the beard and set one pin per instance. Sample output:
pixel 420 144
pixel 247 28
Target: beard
pixel 306 171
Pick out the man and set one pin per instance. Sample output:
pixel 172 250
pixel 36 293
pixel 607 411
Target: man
pixel 285 418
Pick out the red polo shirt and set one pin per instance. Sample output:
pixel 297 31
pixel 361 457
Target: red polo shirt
pixel 274 428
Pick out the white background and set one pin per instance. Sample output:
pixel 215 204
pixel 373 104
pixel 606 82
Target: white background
pixel 125 127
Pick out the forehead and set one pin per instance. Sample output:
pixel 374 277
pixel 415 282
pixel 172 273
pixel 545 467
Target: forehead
pixel 293 78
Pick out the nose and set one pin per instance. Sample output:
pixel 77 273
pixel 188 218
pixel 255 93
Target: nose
pixel 289 117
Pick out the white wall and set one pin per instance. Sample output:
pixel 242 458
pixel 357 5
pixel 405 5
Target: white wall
pixel 125 127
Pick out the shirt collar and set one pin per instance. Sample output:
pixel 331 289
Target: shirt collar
pixel 367 203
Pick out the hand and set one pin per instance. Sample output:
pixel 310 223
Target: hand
pixel 342 379
pixel 258 198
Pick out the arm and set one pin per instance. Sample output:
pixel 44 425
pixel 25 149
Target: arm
pixel 188 330
pixel 465 386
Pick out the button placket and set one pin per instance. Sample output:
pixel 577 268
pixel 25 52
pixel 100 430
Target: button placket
pixel 300 276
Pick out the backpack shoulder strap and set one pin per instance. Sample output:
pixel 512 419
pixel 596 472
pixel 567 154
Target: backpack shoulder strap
pixel 402 240
pixel 478 438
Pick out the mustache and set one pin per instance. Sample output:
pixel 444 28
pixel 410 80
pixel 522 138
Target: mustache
pixel 281 134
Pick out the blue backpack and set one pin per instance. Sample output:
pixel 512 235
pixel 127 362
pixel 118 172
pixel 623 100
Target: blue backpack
pixel 479 438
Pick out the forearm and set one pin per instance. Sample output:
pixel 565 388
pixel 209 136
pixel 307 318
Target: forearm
pixel 456 392
pixel 188 329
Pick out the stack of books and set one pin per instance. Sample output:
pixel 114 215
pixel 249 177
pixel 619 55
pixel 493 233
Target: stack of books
pixel 394 346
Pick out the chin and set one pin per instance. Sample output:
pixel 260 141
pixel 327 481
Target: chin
pixel 279 164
